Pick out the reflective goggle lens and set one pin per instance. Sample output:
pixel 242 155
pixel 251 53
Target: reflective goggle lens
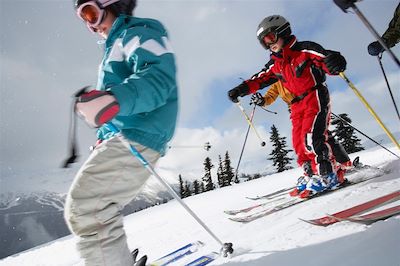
pixel 90 14
pixel 270 38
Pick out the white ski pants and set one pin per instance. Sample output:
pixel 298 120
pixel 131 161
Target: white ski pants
pixel 107 181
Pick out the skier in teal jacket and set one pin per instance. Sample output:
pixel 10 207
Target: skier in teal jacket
pixel 136 92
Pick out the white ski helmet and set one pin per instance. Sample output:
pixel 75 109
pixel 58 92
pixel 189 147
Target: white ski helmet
pixel 117 6
pixel 275 23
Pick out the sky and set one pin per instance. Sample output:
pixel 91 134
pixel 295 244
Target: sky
pixel 47 53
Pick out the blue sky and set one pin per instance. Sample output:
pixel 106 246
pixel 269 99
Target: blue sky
pixel 47 53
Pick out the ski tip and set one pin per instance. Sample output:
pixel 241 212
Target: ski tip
pixel 312 222
pixel 134 254
pixel 141 262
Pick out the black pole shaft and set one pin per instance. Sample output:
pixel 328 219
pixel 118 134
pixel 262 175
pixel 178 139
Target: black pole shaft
pixel 364 134
pixel 375 33
pixel 244 143
pixel 387 83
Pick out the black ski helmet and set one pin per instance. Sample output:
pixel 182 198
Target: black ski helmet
pixel 118 7
pixel 274 23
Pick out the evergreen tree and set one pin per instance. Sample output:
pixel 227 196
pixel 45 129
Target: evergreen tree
pixel 187 192
pixel 208 184
pixel 220 172
pixel 256 176
pixel 345 134
pixel 280 151
pixel 227 170
pixel 202 187
pixel 181 187
pixel 245 177
pixel 196 187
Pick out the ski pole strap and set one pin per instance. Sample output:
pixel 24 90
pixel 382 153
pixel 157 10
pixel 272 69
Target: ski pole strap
pixel 302 96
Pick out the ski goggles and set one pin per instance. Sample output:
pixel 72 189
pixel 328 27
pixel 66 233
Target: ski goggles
pixel 91 13
pixel 270 38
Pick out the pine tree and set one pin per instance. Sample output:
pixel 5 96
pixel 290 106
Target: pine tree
pixel 202 187
pixel 181 187
pixel 187 192
pixel 345 134
pixel 196 187
pixel 208 183
pixel 227 170
pixel 245 177
pixel 256 176
pixel 220 172
pixel 280 151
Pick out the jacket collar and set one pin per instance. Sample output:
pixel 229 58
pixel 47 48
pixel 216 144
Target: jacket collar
pixel 117 27
pixel 286 49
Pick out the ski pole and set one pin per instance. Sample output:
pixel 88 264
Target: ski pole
pixel 73 147
pixel 245 140
pixel 365 135
pixel 225 247
pixel 357 92
pixel 345 4
pixel 387 83
pixel 250 123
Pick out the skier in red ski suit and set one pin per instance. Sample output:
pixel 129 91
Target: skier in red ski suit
pixel 301 67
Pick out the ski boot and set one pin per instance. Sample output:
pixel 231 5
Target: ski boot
pixel 315 185
pixel 344 168
pixel 300 186
pixel 303 180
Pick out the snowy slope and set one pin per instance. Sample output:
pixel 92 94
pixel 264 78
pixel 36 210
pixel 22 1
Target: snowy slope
pixel 279 239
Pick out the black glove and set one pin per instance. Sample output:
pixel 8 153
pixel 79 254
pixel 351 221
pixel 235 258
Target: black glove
pixel 375 48
pixel 345 4
pixel 241 90
pixel 257 99
pixel 335 62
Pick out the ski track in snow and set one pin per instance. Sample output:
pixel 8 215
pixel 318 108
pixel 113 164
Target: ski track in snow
pixel 278 239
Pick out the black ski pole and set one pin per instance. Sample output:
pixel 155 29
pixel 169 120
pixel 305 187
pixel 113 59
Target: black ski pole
pixel 371 139
pixel 244 143
pixel 72 145
pixel 387 83
pixel 345 4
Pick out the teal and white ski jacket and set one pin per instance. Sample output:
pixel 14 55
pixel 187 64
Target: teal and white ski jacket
pixel 139 68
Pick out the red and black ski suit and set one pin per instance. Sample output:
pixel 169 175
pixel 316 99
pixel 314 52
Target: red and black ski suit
pixel 301 68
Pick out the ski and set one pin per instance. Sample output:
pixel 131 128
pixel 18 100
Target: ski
pixel 204 260
pixel 358 166
pixel 372 217
pixel 249 218
pixel 272 195
pixel 372 204
pixel 178 254
pixel 294 201
pixel 234 212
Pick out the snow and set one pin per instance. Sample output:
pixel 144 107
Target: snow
pixel 278 239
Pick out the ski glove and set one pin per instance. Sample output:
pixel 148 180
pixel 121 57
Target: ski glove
pixel 97 107
pixel 257 99
pixel 335 62
pixel 241 90
pixel 375 48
